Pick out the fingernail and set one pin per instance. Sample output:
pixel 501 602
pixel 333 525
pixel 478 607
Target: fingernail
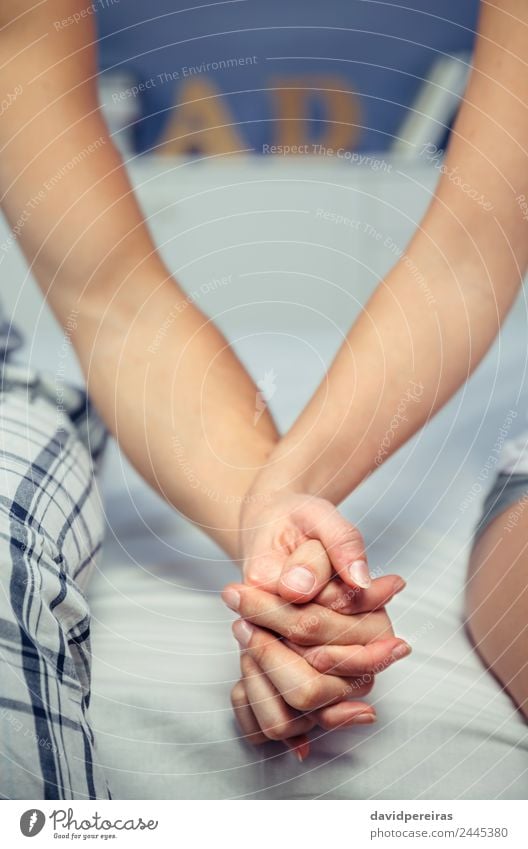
pixel 401 650
pixel 358 571
pixel 243 632
pixel 300 751
pixel 231 598
pixel 299 579
pixel 364 719
pixel 399 585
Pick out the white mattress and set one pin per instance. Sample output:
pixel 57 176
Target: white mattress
pixel 164 658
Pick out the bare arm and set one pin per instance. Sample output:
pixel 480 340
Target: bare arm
pixel 162 376
pixel 427 339
pixel 164 379
pixel 418 345
pixel 497 601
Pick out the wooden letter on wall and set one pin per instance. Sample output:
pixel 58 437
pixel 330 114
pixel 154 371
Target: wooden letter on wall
pixel 340 124
pixel 201 122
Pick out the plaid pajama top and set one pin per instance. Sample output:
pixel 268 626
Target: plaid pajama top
pixel 51 530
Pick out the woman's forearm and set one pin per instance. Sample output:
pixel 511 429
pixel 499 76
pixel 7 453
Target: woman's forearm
pixel 162 376
pixel 431 321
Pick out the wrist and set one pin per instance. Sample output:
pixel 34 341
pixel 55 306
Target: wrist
pixel 295 472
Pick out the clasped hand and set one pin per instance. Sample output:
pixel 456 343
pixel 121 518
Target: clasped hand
pixel 313 630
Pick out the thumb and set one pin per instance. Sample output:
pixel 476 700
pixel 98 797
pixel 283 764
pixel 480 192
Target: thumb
pixel 345 548
pixel 305 572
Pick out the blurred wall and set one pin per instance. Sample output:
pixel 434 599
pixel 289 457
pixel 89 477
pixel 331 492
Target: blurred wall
pixel 214 78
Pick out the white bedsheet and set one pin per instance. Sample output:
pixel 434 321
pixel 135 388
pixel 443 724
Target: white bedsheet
pixel 164 658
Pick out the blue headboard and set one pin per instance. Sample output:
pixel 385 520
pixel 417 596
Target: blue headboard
pixel 246 74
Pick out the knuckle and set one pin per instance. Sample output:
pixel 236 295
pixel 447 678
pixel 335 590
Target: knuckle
pixel 354 536
pixel 308 627
pixel 278 731
pixel 366 684
pixel 238 695
pixel 255 738
pixel 306 696
pixel 252 574
pixel 349 534
pixel 261 652
pixel 246 666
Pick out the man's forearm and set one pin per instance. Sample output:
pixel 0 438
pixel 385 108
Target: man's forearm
pixel 162 376
pixel 179 401
pixel 416 342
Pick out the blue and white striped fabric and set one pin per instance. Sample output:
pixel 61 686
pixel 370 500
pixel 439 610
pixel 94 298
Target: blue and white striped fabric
pixel 51 530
